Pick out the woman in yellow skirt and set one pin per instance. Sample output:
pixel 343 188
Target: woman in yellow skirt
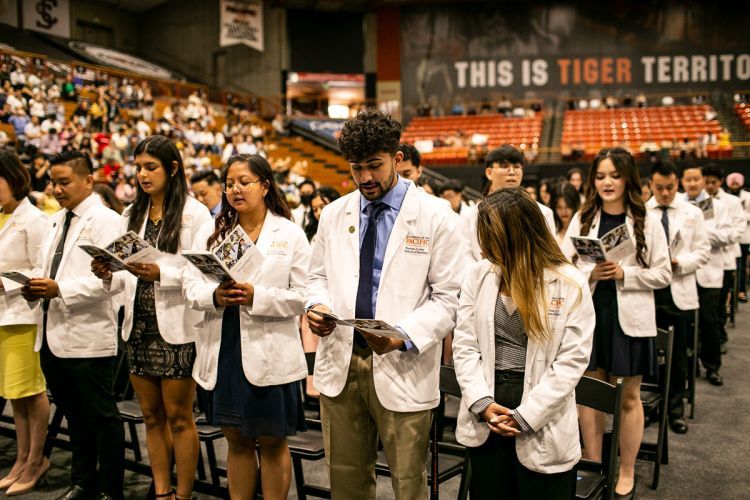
pixel 22 227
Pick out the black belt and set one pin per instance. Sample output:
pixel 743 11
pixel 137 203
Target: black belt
pixel 503 376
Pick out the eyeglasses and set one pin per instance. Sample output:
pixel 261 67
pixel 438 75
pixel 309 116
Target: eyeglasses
pixel 239 186
pixel 508 166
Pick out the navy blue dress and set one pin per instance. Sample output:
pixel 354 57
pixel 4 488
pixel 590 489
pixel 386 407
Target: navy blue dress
pixel 274 411
pixel 614 351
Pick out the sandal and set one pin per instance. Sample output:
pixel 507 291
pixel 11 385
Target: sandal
pixel 169 494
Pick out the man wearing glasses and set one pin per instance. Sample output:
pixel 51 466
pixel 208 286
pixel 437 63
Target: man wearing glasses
pixel 503 167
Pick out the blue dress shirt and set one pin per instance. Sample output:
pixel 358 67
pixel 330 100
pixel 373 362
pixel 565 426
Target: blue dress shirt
pixel 393 199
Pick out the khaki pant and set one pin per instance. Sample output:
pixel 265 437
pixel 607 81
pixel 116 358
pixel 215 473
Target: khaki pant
pixel 352 422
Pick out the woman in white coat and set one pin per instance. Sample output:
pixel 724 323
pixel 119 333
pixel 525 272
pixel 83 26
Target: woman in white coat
pixel 252 329
pixel 159 329
pixel 22 228
pixel 623 299
pixel 521 344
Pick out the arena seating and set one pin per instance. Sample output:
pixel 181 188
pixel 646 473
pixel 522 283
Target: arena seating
pixel 599 128
pixel 523 132
pixel 743 112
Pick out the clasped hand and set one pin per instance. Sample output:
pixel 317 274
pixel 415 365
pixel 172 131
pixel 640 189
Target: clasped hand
pixel 231 293
pixel 607 271
pixel 500 420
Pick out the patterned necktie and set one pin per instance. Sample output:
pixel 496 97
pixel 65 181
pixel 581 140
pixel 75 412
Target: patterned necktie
pixel 363 308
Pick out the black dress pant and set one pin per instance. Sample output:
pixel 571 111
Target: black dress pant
pixel 742 267
pixel 83 389
pixel 721 309
pixel 667 314
pixel 496 471
pixel 709 327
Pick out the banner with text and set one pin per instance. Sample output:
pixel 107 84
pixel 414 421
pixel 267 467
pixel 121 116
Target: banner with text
pixel 451 55
pixel 241 22
pixel 51 17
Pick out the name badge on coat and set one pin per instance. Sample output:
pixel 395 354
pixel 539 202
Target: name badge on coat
pixel 417 245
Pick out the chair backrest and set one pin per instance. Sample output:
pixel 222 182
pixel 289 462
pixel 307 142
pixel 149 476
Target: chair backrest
pixel 448 381
pixel 606 398
pixel 310 359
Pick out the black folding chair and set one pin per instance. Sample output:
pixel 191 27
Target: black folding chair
pixel 693 366
pixel 655 399
pixel 597 479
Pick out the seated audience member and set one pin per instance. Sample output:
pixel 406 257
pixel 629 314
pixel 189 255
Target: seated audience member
pixel 684 228
pixel 518 373
pixel 206 187
pixel 22 229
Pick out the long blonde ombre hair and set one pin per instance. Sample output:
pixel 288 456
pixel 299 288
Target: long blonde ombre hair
pixel 514 237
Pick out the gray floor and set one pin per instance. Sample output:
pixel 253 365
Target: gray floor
pixel 711 461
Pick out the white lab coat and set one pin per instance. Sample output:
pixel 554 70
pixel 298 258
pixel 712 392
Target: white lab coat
pixel 272 351
pixel 636 310
pixel 468 227
pixel 20 239
pixel 176 322
pixel 418 292
pixel 691 250
pixel 81 322
pixel 739 223
pixel 721 233
pixel 552 371
pixel 745 202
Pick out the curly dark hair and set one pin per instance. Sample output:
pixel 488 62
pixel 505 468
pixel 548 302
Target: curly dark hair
pixel 370 132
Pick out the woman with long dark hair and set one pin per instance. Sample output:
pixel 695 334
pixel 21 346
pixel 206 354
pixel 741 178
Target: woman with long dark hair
pixel 22 230
pixel 159 329
pixel 518 372
pixel 252 329
pixel 564 202
pixel 623 299
pixel 323 196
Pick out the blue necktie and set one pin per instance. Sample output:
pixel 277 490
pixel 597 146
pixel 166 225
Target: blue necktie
pixel 363 308
pixel 665 220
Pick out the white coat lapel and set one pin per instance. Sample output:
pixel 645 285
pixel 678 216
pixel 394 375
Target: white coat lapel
pixel 268 234
pixel 403 225
pixel 22 207
pixel 351 223
pixel 71 240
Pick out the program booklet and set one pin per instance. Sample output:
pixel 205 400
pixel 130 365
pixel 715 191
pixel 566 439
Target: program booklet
pixel 16 276
pixel 614 246
pixel 235 258
pixel 707 206
pixel 127 249
pixel 372 326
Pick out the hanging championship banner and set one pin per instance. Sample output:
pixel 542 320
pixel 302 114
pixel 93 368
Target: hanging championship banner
pixel 51 17
pixel 241 22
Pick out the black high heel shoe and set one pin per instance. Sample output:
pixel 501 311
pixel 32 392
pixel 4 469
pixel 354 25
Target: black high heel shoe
pixel 630 495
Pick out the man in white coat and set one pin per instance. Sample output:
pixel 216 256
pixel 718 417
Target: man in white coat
pixel 684 226
pixel 714 177
pixel 503 167
pixel 710 276
pixel 736 185
pixel 392 253
pixel 76 326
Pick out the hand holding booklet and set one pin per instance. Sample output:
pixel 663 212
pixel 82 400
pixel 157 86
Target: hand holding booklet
pixel 16 276
pixel 125 250
pixel 614 246
pixel 235 258
pixel 371 326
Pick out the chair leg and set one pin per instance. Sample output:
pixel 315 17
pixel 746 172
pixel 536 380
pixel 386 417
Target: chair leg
pixel 299 478
pixel 212 463
pixel 201 465
pixel 136 443
pixel 463 487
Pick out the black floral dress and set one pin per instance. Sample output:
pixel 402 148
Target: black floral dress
pixel 148 353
